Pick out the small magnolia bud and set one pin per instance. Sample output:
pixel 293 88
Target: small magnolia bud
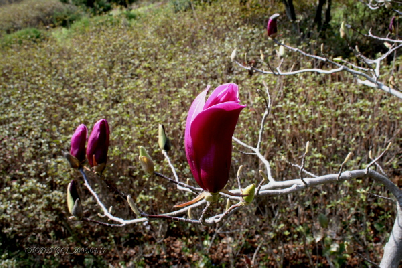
pixel 146 161
pixel 392 25
pixel 72 195
pixel 307 145
pixel 342 30
pixel 227 204
pixel 272 28
pixel 163 140
pixel 250 192
pixel 233 56
pixel 348 157
pixel 262 55
pixel 189 214
pixel 132 205
pixel 323 220
pixel 239 171
pixel 77 209
pixel 322 48
pixel 282 52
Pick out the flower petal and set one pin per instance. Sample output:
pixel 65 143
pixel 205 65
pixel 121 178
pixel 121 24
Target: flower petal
pixel 195 109
pixel 211 134
pixel 223 93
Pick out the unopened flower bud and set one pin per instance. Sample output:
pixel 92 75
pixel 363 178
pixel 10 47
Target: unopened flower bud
pixel 132 205
pixel 250 192
pixel 227 204
pixel 77 209
pixel 146 161
pixel 233 56
pixel 78 141
pixel 72 195
pixel 98 145
pixel 392 25
pixel 163 140
pixel 272 28
pixel 342 30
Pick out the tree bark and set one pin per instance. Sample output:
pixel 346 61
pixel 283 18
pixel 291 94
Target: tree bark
pixel 393 249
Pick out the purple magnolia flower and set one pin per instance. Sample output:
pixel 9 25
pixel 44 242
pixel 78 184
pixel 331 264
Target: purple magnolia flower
pixel 78 143
pixel 208 136
pixel 272 28
pixel 98 143
pixel 392 25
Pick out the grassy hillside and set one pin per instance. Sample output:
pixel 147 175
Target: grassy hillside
pixel 141 70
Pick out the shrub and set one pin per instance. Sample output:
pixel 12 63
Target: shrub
pixel 21 36
pixel 99 6
pixel 31 13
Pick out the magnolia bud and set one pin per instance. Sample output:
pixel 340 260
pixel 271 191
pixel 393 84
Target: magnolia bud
pixel 163 140
pixel 272 28
pixel 146 161
pixel 72 195
pixel 77 209
pixel 227 204
pixel 342 30
pixel 250 192
pixel 132 205
pixel 189 214
pixel 323 220
pixel 233 56
pixel 98 145
pixel 392 25
pixel 282 51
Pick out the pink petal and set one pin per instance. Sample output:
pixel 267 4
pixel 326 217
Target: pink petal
pixel 223 93
pixel 211 137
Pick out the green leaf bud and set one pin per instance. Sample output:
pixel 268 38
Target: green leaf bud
pixel 250 192
pixel 146 161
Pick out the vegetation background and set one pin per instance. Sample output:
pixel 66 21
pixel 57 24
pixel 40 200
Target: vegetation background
pixel 63 64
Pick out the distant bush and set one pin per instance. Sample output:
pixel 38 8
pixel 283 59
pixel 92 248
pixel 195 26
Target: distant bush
pixel 180 5
pixel 34 13
pixel 7 2
pixel 25 35
pixel 99 6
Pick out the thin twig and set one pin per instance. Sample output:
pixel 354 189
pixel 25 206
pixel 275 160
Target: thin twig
pixel 193 189
pixel 375 160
